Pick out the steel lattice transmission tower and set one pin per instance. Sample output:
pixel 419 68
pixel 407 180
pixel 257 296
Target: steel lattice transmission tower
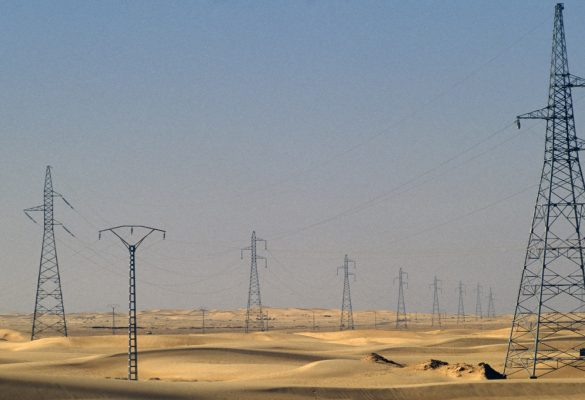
pixel 491 310
pixel 436 315
pixel 203 311
pixel 460 305
pixel 401 317
pixel 478 309
pixel 346 307
pixel 113 307
pixel 49 314
pixel 255 318
pixel 550 303
pixel 132 318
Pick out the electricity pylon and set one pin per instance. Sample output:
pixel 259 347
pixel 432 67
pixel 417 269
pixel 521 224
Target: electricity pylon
pixel 491 310
pixel 346 308
pixel 132 320
pixel 49 314
pixel 401 318
pixel 460 305
pixel 113 307
pixel 550 303
pixel 203 311
pixel 478 309
pixel 254 316
pixel 436 315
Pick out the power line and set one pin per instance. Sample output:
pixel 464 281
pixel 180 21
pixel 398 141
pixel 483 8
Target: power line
pixel 389 194
pixel 341 154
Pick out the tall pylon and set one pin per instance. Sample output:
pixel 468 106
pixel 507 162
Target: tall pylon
pixel 436 315
pixel 460 305
pixel 401 317
pixel 255 319
pixel 549 306
pixel 346 308
pixel 49 314
pixel 132 246
pixel 491 310
pixel 478 309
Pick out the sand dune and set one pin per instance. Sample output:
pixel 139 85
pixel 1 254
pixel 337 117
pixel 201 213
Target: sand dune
pixel 272 365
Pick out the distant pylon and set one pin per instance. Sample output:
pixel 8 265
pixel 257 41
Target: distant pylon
pixel 478 309
pixel 401 317
pixel 255 318
pixel 203 311
pixel 346 308
pixel 460 306
pixel 491 310
pixel 113 307
pixel 549 306
pixel 436 315
pixel 49 314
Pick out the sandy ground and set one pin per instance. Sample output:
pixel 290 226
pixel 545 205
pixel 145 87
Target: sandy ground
pixel 284 363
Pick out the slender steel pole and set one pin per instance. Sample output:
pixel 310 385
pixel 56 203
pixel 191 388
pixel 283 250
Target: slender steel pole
pixel 132 314
pixel 113 320
pixel 132 326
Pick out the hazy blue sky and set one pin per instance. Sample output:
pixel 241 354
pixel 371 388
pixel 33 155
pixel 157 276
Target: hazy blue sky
pixel 329 127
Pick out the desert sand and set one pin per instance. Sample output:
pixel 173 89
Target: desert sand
pixel 293 360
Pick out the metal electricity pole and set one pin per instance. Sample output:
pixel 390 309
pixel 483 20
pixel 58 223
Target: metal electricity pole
pixel 550 297
pixel 460 304
pixel 491 310
pixel 478 309
pixel 113 307
pixel 203 311
pixel 49 314
pixel 132 318
pixel 255 318
pixel 401 317
pixel 436 315
pixel 346 307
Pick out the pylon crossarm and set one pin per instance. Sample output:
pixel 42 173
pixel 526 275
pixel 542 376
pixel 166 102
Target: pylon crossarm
pixel 57 223
pixel 147 235
pixel 33 209
pixel 575 81
pixel 37 208
pixel 242 251
pixel 580 145
pixel 55 194
pixel 263 258
pixel 543 113
pixel 115 233
pixel 132 227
